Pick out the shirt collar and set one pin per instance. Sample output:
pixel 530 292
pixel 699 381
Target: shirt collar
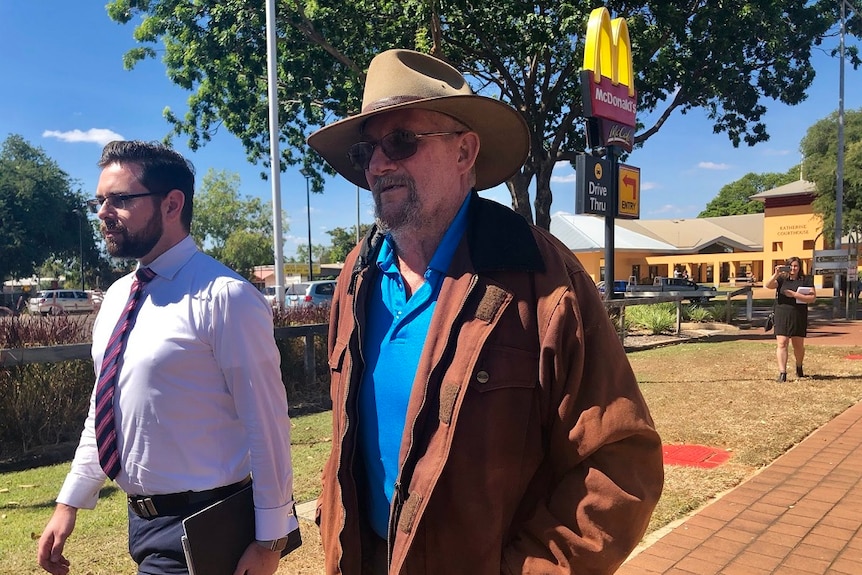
pixel 169 263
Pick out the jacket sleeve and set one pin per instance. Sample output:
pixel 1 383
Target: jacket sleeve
pixel 603 455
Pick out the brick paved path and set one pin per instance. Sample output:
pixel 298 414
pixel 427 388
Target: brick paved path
pixel 801 515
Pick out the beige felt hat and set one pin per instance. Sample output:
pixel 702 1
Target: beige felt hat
pixel 403 79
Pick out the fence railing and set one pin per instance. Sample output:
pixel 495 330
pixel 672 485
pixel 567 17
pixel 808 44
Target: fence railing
pixel 56 353
pixel 620 304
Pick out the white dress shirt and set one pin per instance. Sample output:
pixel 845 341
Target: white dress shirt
pixel 199 401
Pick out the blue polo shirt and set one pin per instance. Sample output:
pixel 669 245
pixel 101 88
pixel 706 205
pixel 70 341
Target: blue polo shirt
pixel 394 338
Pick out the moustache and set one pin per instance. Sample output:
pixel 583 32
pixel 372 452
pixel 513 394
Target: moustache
pixel 381 184
pixel 112 226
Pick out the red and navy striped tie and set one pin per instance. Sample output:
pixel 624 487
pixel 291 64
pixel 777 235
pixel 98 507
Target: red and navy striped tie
pixel 106 431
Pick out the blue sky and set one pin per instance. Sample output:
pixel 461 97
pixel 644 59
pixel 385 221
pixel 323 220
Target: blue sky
pixel 65 90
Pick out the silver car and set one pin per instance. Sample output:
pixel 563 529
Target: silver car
pixel 313 293
pixel 57 301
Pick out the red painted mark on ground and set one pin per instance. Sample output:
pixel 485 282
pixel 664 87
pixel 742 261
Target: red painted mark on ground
pixel 694 455
pixel 854 356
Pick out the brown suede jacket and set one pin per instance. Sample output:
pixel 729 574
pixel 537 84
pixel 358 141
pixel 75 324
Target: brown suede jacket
pixel 528 446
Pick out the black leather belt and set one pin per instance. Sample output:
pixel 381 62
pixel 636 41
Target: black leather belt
pixel 149 506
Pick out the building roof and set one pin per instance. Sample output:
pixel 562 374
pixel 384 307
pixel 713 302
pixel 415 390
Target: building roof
pixel 691 235
pixel 585 233
pixel 797 188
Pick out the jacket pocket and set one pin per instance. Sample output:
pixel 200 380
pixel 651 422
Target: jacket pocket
pixel 505 367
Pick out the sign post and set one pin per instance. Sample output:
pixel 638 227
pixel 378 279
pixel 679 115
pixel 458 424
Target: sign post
pixel 610 107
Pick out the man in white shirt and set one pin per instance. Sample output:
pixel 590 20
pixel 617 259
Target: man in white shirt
pixel 198 403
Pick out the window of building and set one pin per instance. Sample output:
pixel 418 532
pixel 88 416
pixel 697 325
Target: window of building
pixel 778 246
pixel 807 244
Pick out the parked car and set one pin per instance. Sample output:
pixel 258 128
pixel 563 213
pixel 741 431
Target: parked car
pixel 673 286
pixel 61 300
pixel 313 293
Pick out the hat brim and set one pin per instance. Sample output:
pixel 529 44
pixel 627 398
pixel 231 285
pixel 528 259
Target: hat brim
pixel 503 135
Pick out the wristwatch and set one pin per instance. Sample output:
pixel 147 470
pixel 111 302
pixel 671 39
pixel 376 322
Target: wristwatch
pixel 273 544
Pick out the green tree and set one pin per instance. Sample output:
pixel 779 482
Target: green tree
pixel 39 212
pixel 726 57
pixel 344 240
pixel 236 231
pixel 734 198
pixel 319 254
pixel 245 249
pixel 820 150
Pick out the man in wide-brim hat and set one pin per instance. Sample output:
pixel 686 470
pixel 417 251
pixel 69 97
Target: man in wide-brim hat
pixel 485 416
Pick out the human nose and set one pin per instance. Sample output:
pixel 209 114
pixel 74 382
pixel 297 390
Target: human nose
pixel 379 163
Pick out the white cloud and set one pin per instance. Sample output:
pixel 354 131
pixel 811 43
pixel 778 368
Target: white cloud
pixel 566 179
pixel 649 186
pixel 99 136
pixel 670 210
pixel 713 166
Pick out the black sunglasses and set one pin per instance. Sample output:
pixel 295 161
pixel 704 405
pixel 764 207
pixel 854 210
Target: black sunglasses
pixel 117 201
pixel 397 145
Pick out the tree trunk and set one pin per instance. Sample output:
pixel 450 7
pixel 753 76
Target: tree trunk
pixel 519 188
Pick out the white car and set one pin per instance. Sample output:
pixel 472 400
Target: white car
pixel 58 301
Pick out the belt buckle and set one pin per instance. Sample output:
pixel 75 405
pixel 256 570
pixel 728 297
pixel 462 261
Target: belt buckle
pixel 144 507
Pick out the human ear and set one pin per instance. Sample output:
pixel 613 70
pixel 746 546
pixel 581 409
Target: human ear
pixel 468 149
pixel 172 207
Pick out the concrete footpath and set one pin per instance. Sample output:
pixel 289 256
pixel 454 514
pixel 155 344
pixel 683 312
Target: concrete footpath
pixel 800 515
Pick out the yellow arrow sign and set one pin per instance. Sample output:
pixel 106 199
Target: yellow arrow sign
pixel 629 192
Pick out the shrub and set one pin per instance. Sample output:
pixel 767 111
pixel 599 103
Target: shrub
pixel 46 403
pixel 720 309
pixel 655 318
pixel 697 313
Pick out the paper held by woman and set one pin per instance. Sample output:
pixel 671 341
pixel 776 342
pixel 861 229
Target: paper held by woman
pixel 804 290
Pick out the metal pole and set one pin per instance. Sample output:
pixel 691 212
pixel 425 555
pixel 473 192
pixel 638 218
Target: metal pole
pixel 275 164
pixel 839 172
pixel 80 214
pixel 610 215
pixel 308 211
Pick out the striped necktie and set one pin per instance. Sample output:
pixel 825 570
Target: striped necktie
pixel 106 432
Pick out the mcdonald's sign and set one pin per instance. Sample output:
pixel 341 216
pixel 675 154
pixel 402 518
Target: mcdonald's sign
pixel 607 80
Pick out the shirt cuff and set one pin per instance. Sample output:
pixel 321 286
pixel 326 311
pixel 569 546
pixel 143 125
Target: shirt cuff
pixel 275 523
pixel 80 492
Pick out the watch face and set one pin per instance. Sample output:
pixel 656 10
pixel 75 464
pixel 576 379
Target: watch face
pixel 279 544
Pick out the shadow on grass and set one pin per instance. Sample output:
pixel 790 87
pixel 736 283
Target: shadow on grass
pixel 105 492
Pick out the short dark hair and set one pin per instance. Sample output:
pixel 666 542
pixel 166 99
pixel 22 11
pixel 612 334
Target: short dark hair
pixel 162 169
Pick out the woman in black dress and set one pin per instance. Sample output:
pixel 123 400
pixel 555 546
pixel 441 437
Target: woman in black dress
pixel 794 291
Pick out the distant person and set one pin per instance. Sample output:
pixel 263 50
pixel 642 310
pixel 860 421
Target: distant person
pixel 793 292
pixel 485 416
pixel 192 405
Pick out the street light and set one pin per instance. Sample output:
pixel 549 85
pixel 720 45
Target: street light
pixel 308 212
pixel 80 243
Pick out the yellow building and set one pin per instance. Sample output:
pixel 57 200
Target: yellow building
pixel 726 250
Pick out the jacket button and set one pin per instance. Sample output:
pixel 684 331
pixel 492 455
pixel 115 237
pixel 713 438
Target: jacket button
pixel 482 377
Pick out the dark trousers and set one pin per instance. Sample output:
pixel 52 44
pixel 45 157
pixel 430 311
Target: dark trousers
pixel 155 544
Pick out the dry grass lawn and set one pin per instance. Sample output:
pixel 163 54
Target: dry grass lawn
pixel 720 394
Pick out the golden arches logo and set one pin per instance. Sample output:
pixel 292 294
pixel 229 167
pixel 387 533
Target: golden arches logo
pixel 608 50
pixel 607 80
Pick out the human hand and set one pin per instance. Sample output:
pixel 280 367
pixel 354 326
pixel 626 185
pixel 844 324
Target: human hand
pixel 53 539
pixel 256 560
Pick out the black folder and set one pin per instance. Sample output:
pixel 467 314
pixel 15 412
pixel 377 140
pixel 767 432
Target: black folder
pixel 217 536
